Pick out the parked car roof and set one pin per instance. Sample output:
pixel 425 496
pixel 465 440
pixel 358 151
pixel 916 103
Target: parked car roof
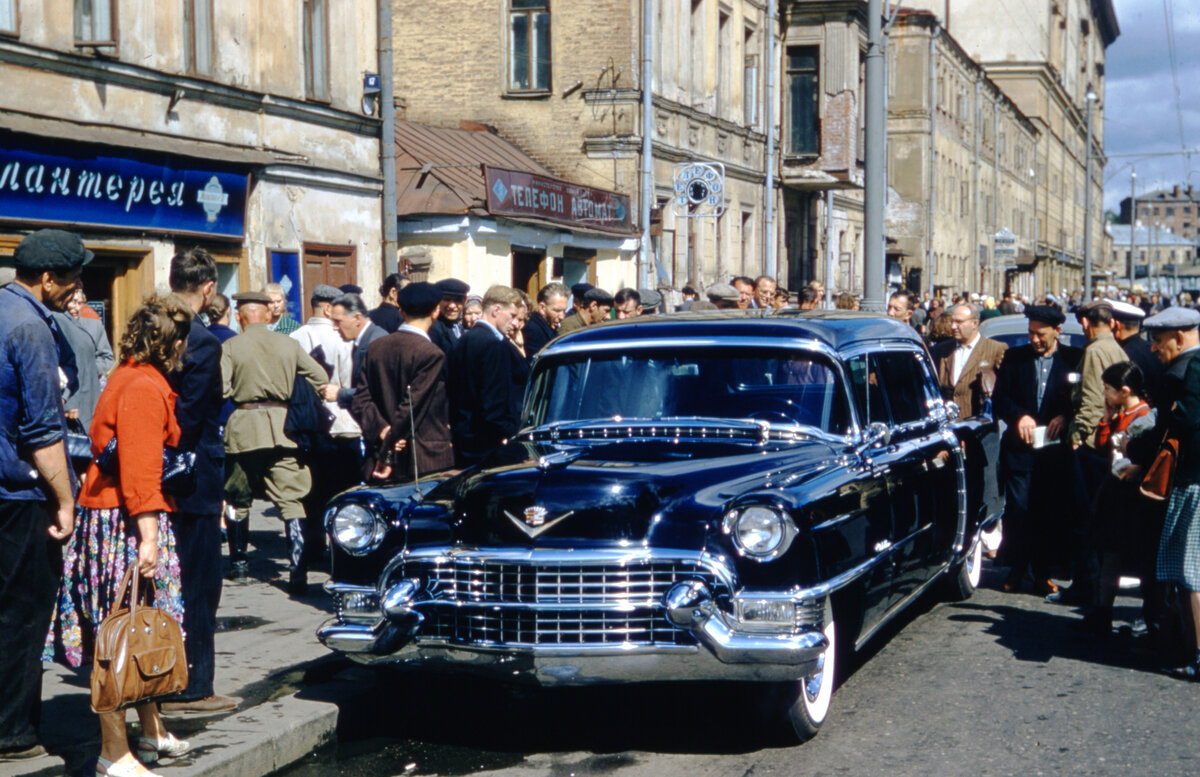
pixel 1014 330
pixel 837 329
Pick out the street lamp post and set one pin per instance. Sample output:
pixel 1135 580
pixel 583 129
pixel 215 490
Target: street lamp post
pixel 1087 199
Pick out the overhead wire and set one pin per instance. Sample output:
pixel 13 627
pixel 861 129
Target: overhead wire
pixel 1172 54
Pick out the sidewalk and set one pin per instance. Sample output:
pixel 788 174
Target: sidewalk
pixel 265 643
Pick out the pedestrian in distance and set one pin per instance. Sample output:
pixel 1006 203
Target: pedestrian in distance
pixel 387 316
pixel 472 311
pixel 37 502
pixel 126 520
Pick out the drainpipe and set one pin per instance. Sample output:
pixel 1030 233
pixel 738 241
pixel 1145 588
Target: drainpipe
pixel 771 265
pixel 973 254
pixel 647 139
pixel 996 223
pixel 932 207
pixel 387 142
pixel 831 250
pixel 873 163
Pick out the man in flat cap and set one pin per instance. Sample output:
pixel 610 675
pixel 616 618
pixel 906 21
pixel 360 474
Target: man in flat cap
pixel 651 301
pixel 336 465
pixel 596 305
pixel 1126 327
pixel 403 405
pixel 1090 465
pixel 259 370
pixel 36 498
pixel 725 296
pixel 543 323
pixel 1033 398
pixel 447 327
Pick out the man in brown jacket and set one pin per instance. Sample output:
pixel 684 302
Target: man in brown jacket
pixel 401 403
pixel 967 363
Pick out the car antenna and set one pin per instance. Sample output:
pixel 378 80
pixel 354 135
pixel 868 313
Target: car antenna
pixel 413 423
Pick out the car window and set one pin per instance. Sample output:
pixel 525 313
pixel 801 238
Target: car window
pixel 890 387
pixel 777 385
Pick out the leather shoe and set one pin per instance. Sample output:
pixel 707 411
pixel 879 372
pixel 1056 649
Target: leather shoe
pixel 212 703
pixel 22 753
pixel 297 582
pixel 1045 587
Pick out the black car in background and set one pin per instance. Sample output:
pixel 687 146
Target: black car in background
pixel 723 497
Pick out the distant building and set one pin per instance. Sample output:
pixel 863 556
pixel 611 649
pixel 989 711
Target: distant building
pixel 1164 260
pixel 1177 209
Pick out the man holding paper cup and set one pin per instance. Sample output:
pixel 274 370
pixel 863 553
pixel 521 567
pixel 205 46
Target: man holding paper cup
pixel 1033 397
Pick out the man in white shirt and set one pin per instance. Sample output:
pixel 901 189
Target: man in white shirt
pixel 967 363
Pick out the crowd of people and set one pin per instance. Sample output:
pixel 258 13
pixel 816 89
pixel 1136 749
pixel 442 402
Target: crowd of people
pixel 433 378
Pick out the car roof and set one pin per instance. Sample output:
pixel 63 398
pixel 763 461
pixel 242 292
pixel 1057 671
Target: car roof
pixel 837 329
pixel 1019 324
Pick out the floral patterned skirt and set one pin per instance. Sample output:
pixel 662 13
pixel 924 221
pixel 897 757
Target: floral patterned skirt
pixel 103 547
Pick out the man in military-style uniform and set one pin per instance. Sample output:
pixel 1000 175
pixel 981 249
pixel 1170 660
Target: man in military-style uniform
pixel 259 368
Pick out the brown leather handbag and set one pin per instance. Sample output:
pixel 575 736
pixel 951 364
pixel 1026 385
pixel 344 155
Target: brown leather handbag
pixel 1160 475
pixel 139 653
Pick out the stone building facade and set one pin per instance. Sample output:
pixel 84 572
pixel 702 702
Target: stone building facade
pixel 1176 209
pixel 150 127
pixel 959 153
pixel 562 81
pixel 1046 59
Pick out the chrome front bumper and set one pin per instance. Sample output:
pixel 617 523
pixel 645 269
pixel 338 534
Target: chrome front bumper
pixel 720 649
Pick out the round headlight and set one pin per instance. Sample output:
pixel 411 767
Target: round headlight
pixel 357 529
pixel 760 532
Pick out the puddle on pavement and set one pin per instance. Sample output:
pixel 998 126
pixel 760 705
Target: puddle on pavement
pixel 379 757
pixel 240 623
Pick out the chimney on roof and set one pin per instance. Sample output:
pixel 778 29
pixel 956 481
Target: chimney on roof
pixel 1176 191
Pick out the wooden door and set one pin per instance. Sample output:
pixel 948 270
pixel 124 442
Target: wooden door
pixel 334 265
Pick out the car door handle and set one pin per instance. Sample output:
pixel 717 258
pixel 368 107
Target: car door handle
pixel 883 545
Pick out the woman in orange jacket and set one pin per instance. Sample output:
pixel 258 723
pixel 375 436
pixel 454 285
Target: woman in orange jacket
pixel 123 519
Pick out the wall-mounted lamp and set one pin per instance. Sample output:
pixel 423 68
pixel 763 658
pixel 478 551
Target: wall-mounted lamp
pixel 371 89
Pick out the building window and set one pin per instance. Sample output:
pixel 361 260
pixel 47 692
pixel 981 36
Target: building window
pixel 724 66
pixel 529 46
pixel 8 17
pixel 1170 211
pixel 750 78
pixel 95 23
pixel 805 135
pixel 197 36
pixel 316 49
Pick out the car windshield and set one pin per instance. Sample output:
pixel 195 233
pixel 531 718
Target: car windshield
pixel 776 385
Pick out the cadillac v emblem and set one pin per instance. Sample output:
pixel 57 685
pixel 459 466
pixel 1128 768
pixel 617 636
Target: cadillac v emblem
pixel 535 522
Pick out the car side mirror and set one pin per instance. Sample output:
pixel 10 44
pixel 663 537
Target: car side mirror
pixel 876 434
pixel 953 411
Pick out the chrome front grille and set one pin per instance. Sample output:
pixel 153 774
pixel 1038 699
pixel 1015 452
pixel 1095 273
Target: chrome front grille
pixel 628 584
pixel 555 599
pixel 549 628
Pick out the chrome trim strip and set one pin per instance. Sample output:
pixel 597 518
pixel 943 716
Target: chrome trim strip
pixel 807 343
pixel 837 582
pixel 896 608
pixel 335 588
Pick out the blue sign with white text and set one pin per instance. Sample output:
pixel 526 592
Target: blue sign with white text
pixel 77 183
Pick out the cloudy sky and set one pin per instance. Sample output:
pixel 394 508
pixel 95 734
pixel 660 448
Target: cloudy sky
pixel 1141 114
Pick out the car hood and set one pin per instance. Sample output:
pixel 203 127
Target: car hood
pixel 659 493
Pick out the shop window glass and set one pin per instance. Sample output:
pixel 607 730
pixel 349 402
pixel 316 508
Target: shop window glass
pixel 529 46
pixel 805 129
pixel 8 16
pixel 95 22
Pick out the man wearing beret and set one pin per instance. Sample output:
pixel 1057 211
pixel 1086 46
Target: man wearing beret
pixel 596 305
pixel 336 467
pixel 402 404
pixel 1033 398
pixel 259 370
pixel 447 327
pixel 37 504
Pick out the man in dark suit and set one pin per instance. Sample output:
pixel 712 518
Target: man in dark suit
pixel 967 362
pixel 543 323
pixel 197 518
pixel 352 319
pixel 1033 397
pixel 447 327
pixel 481 385
pixel 402 404
pixel 1127 328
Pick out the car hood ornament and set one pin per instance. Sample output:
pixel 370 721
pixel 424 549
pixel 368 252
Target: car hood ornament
pixel 535 522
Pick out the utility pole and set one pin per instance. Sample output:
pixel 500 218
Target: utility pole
pixel 1132 228
pixel 873 255
pixel 647 197
pixel 387 140
pixel 771 240
pixel 1087 200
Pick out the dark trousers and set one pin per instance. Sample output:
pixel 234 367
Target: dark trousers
pixel 30 572
pixel 1091 467
pixel 1029 525
pixel 198 543
pixel 332 472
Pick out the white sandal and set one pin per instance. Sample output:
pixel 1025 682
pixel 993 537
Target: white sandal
pixel 149 749
pixel 106 768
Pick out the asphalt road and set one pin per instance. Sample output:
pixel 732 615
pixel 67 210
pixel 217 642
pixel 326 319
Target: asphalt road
pixel 997 685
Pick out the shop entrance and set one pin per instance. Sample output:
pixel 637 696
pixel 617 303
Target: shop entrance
pixel 115 283
pixel 529 272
